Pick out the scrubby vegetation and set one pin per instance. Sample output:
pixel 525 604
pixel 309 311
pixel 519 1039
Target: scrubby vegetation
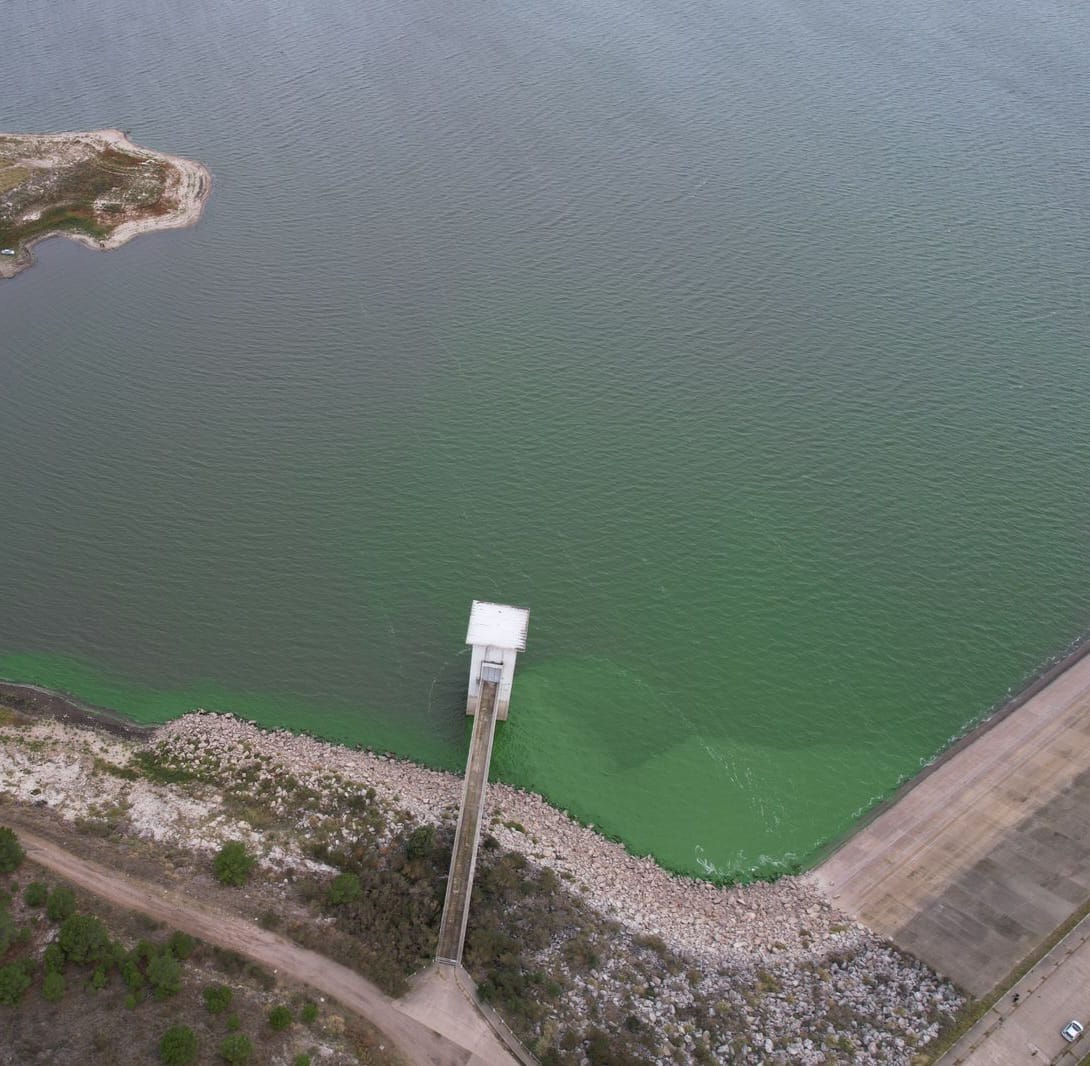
pixel 233 864
pixel 178 1046
pixel 89 987
pixel 11 852
pixel 82 192
pixel 574 985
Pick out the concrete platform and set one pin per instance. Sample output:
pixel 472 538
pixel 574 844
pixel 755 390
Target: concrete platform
pixel 438 1001
pixel 985 856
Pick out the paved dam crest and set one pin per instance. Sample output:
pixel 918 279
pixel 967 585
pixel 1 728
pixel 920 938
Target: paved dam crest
pixel 977 863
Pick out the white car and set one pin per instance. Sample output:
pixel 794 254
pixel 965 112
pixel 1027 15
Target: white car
pixel 1072 1031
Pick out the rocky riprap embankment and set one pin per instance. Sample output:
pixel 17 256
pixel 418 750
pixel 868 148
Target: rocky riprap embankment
pixel 760 921
pixel 755 973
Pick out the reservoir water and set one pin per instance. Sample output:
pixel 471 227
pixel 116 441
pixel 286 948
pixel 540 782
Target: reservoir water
pixel 746 343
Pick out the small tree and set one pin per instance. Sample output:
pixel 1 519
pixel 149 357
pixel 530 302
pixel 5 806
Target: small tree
pixel 83 938
pixel 236 1049
pixel 233 863
pixel 178 1046
pixel 280 1018
pixel 7 927
pixel 421 841
pixel 53 987
pixel 181 945
pixel 11 854
pixel 309 1013
pixel 35 894
pixel 344 888
pixel 217 998
pixel 131 975
pixel 61 904
pixel 165 975
pixel 14 981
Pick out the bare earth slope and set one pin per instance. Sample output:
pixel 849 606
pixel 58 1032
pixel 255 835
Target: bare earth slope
pixel 97 188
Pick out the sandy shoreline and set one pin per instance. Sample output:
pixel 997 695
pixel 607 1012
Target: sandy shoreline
pixel 189 186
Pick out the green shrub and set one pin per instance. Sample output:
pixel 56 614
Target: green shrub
pixel 53 987
pixel 233 863
pixel 309 1013
pixel 236 1049
pixel 98 979
pixel 53 958
pixel 11 854
pixel 83 938
pixel 61 904
pixel 131 1000
pixel 344 888
pixel 115 955
pixel 178 1046
pixel 153 766
pixel 35 894
pixel 421 842
pixel 181 945
pixel 131 975
pixel 14 981
pixel 217 998
pixel 280 1018
pixel 302 1059
pixel 233 1024
pixel 165 975
pixel 7 927
pixel 144 951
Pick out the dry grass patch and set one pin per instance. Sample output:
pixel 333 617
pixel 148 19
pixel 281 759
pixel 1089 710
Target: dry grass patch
pixel 10 176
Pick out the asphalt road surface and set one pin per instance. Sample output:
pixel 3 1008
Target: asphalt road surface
pixel 1054 992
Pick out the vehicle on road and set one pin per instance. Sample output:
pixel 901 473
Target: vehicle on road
pixel 1072 1031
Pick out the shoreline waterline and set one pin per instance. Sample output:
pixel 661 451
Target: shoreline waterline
pixel 1078 650
pixel 183 790
pixel 46 702
pixel 704 919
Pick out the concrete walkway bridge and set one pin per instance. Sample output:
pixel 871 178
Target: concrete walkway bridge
pixel 497 633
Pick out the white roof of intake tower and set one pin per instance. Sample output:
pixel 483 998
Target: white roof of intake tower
pixel 498 625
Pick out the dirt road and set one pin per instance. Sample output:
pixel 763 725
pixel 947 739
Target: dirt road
pixel 416 1041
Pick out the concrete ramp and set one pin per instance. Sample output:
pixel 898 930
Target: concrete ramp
pixel 438 1001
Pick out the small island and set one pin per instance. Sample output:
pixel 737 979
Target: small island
pixel 97 188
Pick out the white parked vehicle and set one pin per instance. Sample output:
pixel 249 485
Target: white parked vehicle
pixel 1072 1031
